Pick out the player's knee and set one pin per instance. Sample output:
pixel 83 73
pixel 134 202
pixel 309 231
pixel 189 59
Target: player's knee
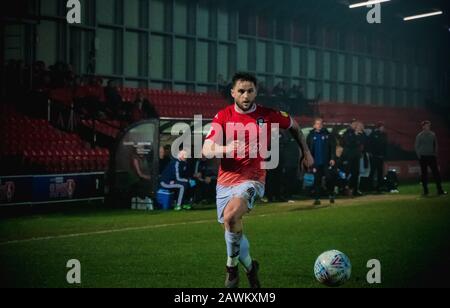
pixel 234 212
pixel 230 220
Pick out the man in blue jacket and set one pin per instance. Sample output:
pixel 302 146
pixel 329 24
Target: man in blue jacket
pixel 174 178
pixel 323 149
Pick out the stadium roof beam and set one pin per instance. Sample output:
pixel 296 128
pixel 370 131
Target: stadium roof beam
pixel 366 3
pixel 425 15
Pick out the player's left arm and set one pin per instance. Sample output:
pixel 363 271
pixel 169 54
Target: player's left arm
pixel 299 137
pixel 287 122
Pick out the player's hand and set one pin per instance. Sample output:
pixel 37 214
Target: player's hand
pixel 332 163
pixel 233 147
pixel 308 160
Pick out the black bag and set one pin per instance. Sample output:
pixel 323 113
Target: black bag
pixel 391 180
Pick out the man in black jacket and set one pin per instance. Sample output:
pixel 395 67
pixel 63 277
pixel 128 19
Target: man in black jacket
pixel 323 149
pixel 378 148
pixel 353 144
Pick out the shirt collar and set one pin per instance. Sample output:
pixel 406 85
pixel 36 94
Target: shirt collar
pixel 240 111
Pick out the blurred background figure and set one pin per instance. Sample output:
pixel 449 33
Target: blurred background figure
pixel 378 147
pixel 426 149
pixel 164 157
pixel 352 143
pixel 113 99
pixel 174 178
pixel 143 188
pixel 323 149
pixel 364 162
pixel 205 176
pixel 142 109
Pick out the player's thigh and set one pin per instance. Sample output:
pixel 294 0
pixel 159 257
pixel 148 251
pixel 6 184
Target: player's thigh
pixel 244 197
pixel 237 200
pixel 236 208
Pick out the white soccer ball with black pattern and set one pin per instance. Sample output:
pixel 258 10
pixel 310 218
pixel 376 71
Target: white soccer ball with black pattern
pixel 332 268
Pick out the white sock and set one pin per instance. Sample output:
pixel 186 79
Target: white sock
pixel 233 241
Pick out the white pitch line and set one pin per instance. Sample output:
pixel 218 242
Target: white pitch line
pixel 65 236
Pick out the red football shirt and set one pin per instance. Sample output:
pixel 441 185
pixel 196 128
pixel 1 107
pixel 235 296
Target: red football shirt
pixel 234 171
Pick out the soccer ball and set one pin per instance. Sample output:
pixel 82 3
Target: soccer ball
pixel 332 268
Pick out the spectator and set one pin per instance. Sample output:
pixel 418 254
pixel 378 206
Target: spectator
pixel 97 89
pixel 164 157
pixel 323 149
pixel 58 73
pixel 39 71
pixel 352 143
pixel 262 90
pixel 426 147
pixel 337 136
pixel 289 156
pixel 294 92
pixel 224 87
pixel 279 90
pixel 80 92
pixel 206 180
pixel 285 88
pixel 113 99
pixel 364 163
pixel 221 83
pixel 142 168
pixel 340 172
pixel 174 178
pixel 93 96
pixel 69 75
pixel 377 149
pixel 142 109
pixel 91 61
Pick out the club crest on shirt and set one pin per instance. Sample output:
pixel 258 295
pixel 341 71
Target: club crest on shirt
pixel 260 122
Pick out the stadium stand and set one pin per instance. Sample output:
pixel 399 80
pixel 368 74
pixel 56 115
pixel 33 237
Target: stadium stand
pixel 168 104
pixel 34 146
pixel 46 149
pixel 179 105
pixel 402 123
pixel 110 128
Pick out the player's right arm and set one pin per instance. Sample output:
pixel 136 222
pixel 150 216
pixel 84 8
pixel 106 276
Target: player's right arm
pixel 214 145
pixel 214 150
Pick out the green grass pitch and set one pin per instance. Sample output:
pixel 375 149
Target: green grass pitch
pixel 408 234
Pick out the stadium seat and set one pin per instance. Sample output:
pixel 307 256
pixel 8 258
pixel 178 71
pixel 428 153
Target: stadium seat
pixel 41 148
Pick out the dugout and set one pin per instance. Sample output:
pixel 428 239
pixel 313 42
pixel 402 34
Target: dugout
pixel 138 145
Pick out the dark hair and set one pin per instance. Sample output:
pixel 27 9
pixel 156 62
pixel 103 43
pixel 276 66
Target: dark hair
pixel 380 124
pixel 244 77
pixel 426 123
